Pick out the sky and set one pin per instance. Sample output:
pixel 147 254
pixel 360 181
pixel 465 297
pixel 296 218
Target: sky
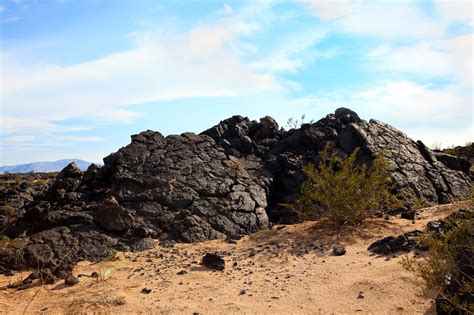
pixel 77 78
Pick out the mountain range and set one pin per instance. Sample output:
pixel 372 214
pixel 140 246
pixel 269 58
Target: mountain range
pixel 43 167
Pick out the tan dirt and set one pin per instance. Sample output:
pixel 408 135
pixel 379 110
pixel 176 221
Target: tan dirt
pixel 293 271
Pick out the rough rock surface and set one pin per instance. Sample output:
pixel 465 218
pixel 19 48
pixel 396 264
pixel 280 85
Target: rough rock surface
pixel 226 182
pixel 416 170
pixel 213 261
pixel 453 162
pixel 392 244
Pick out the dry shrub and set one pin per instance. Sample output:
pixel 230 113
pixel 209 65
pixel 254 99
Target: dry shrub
pixel 346 191
pixel 447 266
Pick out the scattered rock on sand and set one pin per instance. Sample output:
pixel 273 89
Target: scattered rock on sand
pixel 338 250
pixel 391 244
pixel 71 280
pixel 213 261
pixel 408 215
pixel 145 291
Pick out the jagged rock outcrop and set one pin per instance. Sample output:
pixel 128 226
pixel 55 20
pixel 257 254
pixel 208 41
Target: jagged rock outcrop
pixel 228 181
pixel 416 170
pixel 453 162
pixel 187 186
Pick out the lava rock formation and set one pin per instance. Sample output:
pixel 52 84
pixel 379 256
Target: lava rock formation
pixel 226 182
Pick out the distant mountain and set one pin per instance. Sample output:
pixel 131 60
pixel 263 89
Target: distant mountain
pixel 43 167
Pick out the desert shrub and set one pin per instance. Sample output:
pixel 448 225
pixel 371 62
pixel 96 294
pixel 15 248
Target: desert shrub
pixel 293 123
pixel 346 191
pixel 447 266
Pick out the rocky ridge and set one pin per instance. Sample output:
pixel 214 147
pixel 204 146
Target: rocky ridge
pixel 226 182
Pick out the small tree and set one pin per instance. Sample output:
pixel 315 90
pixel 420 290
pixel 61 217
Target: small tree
pixel 346 191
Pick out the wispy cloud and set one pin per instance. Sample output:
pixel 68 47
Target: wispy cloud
pixel 2 8
pixel 415 108
pixel 382 20
pixel 20 139
pixel 296 52
pixel 29 140
pixel 202 62
pixel 226 10
pixel 11 19
pixel 399 61
pixel 451 58
pixel 455 10
pixel 330 9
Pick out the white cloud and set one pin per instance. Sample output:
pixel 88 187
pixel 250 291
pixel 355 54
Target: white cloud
pixel 409 102
pixel 20 139
pixel 442 114
pixel 379 51
pixel 378 19
pixel 295 52
pixel 12 125
pixel 205 41
pixel 443 58
pixel 205 61
pixel 391 20
pixel 226 10
pixel 455 10
pixel 460 54
pixel 443 138
pixel 11 19
pixel 330 9
pixel 24 141
pixel 2 8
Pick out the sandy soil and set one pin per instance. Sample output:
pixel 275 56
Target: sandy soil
pixel 287 270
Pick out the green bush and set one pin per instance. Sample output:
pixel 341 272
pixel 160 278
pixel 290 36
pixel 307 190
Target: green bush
pixel 346 191
pixel 446 260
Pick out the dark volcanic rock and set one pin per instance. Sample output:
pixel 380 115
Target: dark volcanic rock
pixel 188 187
pixel 453 162
pixel 70 280
pixel 113 217
pixel 213 261
pixel 391 244
pixel 416 170
pixel 339 251
pixel 408 215
pixel 226 182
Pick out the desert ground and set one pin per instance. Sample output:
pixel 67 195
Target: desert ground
pixel 288 269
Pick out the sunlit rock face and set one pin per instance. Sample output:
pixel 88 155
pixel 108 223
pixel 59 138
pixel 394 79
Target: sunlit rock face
pixel 228 181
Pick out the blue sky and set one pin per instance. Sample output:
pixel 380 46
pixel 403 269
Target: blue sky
pixel 79 77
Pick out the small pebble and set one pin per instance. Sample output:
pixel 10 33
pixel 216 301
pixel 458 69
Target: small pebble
pixel 145 291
